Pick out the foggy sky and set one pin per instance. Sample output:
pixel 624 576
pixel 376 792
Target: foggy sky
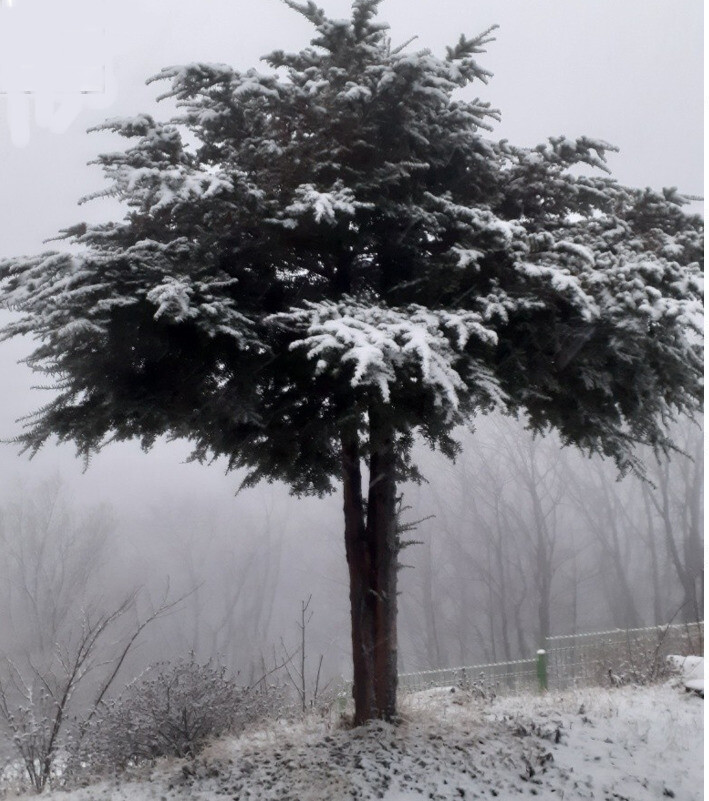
pixel 628 72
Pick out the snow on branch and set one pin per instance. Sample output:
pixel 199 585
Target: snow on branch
pixel 190 79
pixel 140 125
pixel 324 206
pixel 583 150
pixel 478 219
pixel 363 12
pixel 384 346
pixel 155 186
pixel 577 250
pixel 172 297
pixel 181 298
pixel 466 47
pixel 310 10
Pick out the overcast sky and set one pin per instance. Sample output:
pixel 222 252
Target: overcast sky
pixel 627 71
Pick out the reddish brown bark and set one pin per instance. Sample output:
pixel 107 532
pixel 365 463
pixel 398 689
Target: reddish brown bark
pixel 381 536
pixel 371 548
pixel 359 569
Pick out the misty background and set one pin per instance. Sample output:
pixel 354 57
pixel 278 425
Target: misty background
pixel 518 539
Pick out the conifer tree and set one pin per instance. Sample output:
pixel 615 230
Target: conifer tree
pixel 325 259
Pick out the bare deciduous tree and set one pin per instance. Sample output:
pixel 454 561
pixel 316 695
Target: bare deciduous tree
pixel 678 501
pixel 294 663
pixel 66 633
pixel 36 699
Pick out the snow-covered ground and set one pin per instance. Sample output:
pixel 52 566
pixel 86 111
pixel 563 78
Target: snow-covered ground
pixel 624 744
pixel 691 670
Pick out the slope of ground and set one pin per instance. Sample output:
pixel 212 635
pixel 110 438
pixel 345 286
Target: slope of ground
pixel 625 744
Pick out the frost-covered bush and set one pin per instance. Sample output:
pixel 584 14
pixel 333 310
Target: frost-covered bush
pixel 644 665
pixel 172 709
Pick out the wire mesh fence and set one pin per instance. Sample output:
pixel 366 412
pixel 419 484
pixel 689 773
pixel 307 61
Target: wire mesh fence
pixel 500 677
pixel 620 656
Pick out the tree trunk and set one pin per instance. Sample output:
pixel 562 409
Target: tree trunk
pixel 503 593
pixel 657 604
pixel 544 555
pixel 359 569
pixel 382 536
pixel 430 636
pixel 690 610
pixel 693 545
pixel 371 548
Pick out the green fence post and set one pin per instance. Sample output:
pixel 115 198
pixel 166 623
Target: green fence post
pixel 542 670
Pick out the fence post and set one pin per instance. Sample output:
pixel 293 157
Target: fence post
pixel 542 670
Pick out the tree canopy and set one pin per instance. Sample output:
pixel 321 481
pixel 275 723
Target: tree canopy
pixel 341 229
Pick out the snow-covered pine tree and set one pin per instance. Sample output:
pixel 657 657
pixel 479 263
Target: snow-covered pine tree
pixel 322 261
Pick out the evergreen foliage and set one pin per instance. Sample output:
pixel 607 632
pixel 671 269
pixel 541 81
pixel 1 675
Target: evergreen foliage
pixel 340 231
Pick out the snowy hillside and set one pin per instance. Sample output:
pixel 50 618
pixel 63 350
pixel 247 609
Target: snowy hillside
pixel 637 744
